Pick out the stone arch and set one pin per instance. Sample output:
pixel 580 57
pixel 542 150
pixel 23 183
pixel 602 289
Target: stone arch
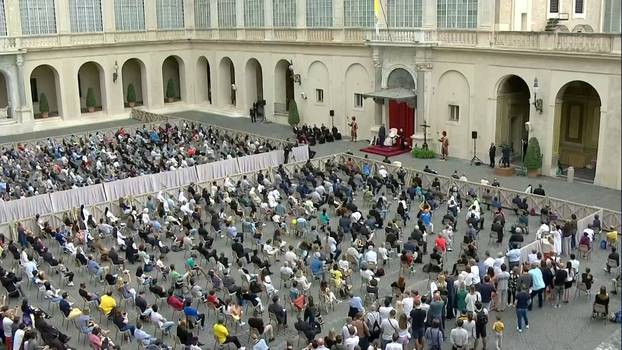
pixel 318 79
pixel 283 87
pixel 133 71
pixel 577 128
pixel 513 107
pixel 401 78
pixel 456 94
pixel 254 81
pixel 173 70
pixel 44 80
pixel 91 76
pixel 204 80
pixel 357 81
pixel 227 87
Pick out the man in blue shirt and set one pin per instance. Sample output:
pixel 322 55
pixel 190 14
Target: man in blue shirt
pixel 143 336
pixel 537 285
pixel 317 266
pixel 192 312
pixel 64 305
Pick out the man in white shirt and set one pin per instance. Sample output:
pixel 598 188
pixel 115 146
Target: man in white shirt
pixel 475 272
pixel 290 257
pixel 371 256
pixel 286 270
pixel 590 232
pixel 383 172
pixel 489 261
pixel 394 345
pixel 459 336
pixel 543 230
pixel 407 303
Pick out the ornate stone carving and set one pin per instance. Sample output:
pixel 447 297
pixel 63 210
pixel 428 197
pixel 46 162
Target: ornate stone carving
pixel 423 66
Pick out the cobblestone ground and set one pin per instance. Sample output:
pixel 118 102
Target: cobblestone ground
pixel 569 327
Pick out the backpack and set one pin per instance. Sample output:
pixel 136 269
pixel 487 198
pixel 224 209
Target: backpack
pixel 482 318
pixel 374 330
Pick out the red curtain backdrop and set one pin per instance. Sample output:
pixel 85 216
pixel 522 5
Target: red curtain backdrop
pixel 401 116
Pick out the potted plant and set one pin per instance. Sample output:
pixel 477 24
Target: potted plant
pixel 422 153
pixel 533 158
pixel 170 91
pixel 131 96
pixel 90 100
pixel 293 118
pixel 44 106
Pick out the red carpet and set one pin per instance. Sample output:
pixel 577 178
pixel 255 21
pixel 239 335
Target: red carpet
pixel 385 151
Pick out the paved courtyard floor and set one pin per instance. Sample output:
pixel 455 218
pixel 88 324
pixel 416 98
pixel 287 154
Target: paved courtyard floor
pixel 567 328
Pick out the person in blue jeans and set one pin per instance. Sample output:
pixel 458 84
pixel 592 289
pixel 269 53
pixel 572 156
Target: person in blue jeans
pixel 523 299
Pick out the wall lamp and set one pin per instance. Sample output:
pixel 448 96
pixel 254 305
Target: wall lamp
pixel 303 95
pixel 115 74
pixel 537 102
pixel 295 77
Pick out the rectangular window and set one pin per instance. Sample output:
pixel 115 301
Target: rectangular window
pixel 226 14
pixel 38 17
pixel 284 13
pixel 456 13
pixel 358 13
pixel 202 14
pixel 405 13
pixel 319 95
pixel 253 13
pixel 578 6
pixel 320 14
pixel 34 93
pixel 358 100
pixel 85 16
pixel 454 113
pixel 129 15
pixel 170 14
pixel 611 16
pixel 2 19
pixel 553 6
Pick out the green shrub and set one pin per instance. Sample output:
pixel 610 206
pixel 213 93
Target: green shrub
pixel 44 106
pixel 171 89
pixel 533 158
pixel 90 98
pixel 131 94
pixel 293 118
pixel 422 153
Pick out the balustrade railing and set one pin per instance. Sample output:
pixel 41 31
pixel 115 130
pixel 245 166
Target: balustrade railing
pixel 600 43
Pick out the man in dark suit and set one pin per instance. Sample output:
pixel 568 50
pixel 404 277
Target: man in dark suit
pixel 492 152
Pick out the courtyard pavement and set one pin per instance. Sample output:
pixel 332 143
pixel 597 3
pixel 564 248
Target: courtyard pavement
pixel 569 327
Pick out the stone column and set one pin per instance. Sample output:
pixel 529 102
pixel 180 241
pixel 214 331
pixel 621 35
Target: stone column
pixel 20 107
pixel 63 20
pixel 338 20
pixel 151 19
pixel 189 15
pixel 268 19
pixel 428 20
pixel 378 108
pixel 108 20
pixel 13 18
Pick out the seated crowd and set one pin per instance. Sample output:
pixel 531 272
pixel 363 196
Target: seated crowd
pixel 311 221
pixel 76 161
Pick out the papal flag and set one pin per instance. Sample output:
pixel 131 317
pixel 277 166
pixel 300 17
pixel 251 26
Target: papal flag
pixel 377 14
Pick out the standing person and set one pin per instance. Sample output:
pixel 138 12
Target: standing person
pixel 502 279
pixel 444 140
pixel 459 337
pixel 481 321
pixel 286 150
pixel 353 129
pixel 492 152
pixel 434 336
pixel 522 305
pixel 537 285
pixel 498 328
pixel 389 326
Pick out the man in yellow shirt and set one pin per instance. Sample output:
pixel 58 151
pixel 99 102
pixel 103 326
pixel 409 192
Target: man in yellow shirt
pixel 221 333
pixel 107 303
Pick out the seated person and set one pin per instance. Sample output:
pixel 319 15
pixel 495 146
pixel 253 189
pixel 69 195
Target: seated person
pixel 602 298
pixel 309 330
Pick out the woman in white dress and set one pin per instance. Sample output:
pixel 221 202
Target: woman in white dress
pixel 557 240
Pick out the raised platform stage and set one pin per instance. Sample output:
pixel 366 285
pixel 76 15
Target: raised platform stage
pixel 385 151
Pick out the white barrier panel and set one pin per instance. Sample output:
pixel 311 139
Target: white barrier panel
pixel 299 154
pixel 260 161
pixel 28 207
pixel 69 199
pixel 216 170
pixel 129 187
pixel 3 212
pixel 174 178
